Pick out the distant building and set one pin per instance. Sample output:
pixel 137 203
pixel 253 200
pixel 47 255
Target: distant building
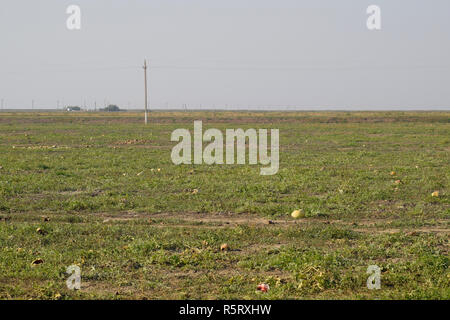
pixel 73 109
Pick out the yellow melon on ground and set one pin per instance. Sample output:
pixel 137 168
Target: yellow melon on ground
pixel 298 214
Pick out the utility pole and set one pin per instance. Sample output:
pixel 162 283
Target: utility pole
pixel 145 86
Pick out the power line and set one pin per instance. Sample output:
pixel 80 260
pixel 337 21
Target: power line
pixel 287 68
pixel 75 70
pixel 240 67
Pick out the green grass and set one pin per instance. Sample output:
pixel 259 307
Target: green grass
pixel 137 232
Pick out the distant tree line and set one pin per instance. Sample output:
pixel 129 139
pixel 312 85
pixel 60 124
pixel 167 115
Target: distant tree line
pixel 111 108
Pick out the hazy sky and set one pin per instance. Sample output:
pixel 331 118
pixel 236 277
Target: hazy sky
pixel 307 53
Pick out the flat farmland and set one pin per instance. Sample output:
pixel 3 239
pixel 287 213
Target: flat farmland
pixel 100 191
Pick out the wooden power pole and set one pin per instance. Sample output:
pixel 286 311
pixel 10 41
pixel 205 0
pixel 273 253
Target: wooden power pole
pixel 146 93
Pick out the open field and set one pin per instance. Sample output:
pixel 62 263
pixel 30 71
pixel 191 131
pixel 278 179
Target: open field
pixel 91 183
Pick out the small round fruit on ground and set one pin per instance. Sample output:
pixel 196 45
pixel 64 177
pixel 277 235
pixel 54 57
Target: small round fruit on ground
pixel 298 214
